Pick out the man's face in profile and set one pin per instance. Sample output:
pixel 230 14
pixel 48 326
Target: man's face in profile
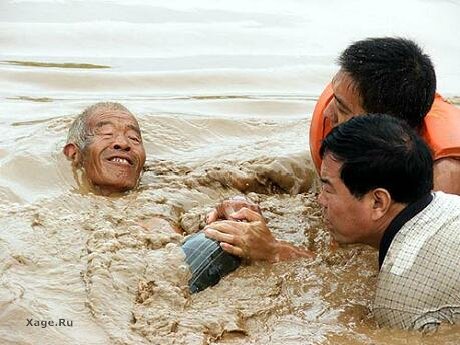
pixel 114 156
pixel 346 102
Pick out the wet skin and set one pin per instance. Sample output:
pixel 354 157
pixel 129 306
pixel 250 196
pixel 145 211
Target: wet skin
pixel 346 216
pixel 346 102
pixel 114 158
pixel 351 219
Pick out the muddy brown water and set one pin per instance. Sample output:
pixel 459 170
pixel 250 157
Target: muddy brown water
pixel 223 93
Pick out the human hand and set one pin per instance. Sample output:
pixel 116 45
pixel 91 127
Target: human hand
pixel 225 209
pixel 251 240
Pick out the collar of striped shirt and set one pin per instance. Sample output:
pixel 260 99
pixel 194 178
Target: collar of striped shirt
pixel 397 223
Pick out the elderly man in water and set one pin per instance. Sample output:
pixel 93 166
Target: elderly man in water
pixel 105 142
pixel 377 177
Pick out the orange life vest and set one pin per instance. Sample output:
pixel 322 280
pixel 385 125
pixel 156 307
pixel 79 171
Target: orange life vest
pixel 440 129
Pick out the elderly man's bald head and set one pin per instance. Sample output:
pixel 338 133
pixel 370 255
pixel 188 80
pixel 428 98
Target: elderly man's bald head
pixel 105 140
pixel 78 131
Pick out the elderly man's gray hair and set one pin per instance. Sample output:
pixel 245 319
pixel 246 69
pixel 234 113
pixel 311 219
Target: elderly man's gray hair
pixel 79 133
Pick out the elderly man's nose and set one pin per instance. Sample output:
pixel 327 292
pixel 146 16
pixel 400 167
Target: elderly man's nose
pixel 121 143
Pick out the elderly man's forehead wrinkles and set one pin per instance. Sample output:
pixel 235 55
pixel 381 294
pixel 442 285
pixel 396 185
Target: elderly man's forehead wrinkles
pixel 106 122
pixel 103 123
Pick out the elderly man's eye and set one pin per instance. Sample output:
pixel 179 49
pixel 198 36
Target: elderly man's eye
pixel 135 139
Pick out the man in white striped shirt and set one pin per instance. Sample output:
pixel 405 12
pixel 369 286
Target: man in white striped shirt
pixel 377 177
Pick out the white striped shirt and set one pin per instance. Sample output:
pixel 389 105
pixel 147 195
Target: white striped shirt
pixel 419 282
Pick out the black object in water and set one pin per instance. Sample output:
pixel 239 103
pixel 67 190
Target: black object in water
pixel 208 262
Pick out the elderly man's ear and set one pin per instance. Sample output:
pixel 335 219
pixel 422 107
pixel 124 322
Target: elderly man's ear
pixel 72 153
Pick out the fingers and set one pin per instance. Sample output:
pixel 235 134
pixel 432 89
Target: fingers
pixel 224 232
pixel 247 214
pixel 219 236
pixel 253 207
pixel 212 217
pixel 226 226
pixel 232 249
pixel 225 209
pixel 238 204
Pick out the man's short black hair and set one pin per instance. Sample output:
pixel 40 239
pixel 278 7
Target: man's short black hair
pixel 393 76
pixel 381 151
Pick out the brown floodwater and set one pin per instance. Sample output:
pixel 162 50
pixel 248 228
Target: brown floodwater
pixel 223 93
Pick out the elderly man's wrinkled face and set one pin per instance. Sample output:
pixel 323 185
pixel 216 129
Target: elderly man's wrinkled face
pixel 115 155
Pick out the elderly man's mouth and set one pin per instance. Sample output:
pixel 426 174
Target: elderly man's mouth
pixel 121 160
